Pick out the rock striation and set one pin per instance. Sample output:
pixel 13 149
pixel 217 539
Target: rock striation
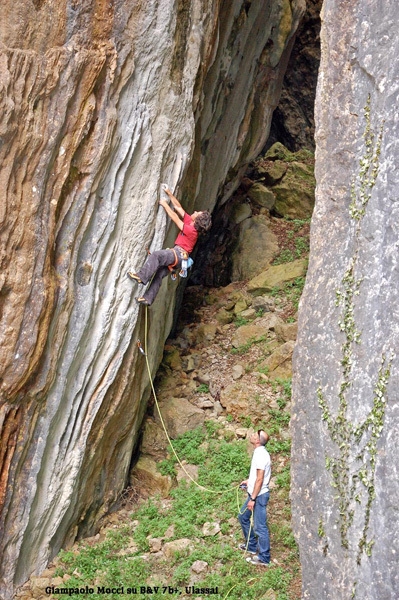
pixel 101 102
pixel 345 423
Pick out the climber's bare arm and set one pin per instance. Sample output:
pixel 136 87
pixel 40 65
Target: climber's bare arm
pixel 172 214
pixel 177 206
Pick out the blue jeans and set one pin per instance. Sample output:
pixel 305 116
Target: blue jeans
pixel 259 529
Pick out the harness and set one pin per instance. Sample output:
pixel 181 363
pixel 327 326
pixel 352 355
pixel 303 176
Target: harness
pixel 186 263
pixel 172 266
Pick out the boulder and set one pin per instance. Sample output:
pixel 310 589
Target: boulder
pixel 154 441
pixel 257 245
pixel 205 403
pixel 286 331
pixel 262 196
pixel 272 171
pixel 249 314
pixel 280 362
pixel 170 532
pixel 199 566
pixel 276 276
pixel 171 358
pixel 237 372
pixel 148 479
pixel 263 303
pixel 241 433
pixel 240 306
pixel 191 362
pixel 240 213
pixel 224 316
pixel 255 331
pixel 295 193
pixel 240 401
pixel 183 546
pixel 189 473
pixel 203 377
pixel 180 416
pixel 205 332
pixel 210 529
pixel 38 586
pixel 278 152
pixel 155 544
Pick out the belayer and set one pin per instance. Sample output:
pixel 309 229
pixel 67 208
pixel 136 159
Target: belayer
pixel 162 262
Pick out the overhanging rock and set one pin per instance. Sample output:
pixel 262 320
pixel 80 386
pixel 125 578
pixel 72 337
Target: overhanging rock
pixel 100 103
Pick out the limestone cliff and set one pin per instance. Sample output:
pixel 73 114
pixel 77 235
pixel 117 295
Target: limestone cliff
pixel 345 425
pixel 102 100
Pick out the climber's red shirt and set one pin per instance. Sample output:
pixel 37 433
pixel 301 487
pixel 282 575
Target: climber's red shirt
pixel 188 236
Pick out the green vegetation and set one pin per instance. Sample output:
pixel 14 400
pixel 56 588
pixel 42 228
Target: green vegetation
pixel 301 246
pixel 240 321
pixel 117 561
pixel 283 478
pixel 294 240
pixel 187 445
pixel 299 223
pixel 300 249
pixel 245 347
pixel 203 388
pixel 285 256
pixel 291 292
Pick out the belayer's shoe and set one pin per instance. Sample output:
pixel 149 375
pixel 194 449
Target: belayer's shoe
pixel 243 547
pixel 254 560
pixel 142 301
pixel 134 276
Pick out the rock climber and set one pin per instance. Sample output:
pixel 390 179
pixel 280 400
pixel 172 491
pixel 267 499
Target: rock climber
pixel 162 262
pixel 257 540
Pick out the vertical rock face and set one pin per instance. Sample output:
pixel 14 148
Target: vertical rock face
pixel 293 119
pixel 102 101
pixel 345 484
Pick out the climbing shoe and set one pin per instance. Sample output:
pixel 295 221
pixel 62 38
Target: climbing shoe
pixel 134 276
pixel 142 301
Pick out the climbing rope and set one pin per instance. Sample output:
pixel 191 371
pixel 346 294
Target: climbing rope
pixel 205 489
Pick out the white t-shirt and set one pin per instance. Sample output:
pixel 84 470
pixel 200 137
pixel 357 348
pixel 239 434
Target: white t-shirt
pixel 260 460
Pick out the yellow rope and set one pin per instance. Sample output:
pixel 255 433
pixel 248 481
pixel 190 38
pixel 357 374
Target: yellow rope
pixel 205 489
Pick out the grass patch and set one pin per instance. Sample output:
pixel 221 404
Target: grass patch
pixel 186 446
pixel 245 347
pixel 240 321
pixel 283 478
pixel 117 561
pixel 285 256
pixel 203 388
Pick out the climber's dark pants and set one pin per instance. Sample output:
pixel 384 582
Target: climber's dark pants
pixel 157 265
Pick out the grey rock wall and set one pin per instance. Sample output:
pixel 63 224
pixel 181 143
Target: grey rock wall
pixel 101 102
pixel 345 423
